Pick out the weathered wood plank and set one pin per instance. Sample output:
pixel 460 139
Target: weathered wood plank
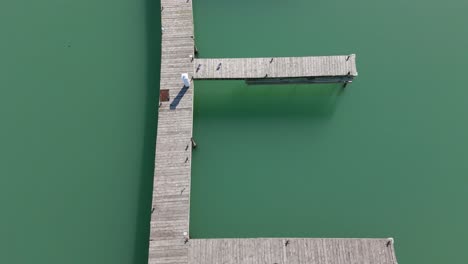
pixel 282 67
pixel 291 251
pixel 171 192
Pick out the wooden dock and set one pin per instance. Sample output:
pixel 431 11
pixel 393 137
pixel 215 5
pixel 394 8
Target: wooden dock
pixel 169 235
pixel 332 68
pixel 171 187
pixel 291 251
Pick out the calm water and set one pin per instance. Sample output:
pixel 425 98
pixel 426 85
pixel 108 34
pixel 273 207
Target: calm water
pixel 386 157
pixel 78 95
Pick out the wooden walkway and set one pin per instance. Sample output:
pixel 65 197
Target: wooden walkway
pixel 169 243
pixel 291 251
pixel 171 191
pixel 283 67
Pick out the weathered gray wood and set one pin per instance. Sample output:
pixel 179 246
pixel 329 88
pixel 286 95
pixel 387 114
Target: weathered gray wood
pixel 171 191
pixel 282 67
pixel 297 251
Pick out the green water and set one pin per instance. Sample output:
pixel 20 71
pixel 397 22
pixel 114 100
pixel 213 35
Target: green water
pixel 387 157
pixel 78 96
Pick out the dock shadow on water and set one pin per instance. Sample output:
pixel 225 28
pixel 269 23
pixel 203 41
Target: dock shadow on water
pixel 232 99
pixel 143 214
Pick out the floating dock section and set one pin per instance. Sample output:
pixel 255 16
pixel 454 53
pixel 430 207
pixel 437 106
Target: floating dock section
pixel 316 69
pixel 169 236
pixel 291 251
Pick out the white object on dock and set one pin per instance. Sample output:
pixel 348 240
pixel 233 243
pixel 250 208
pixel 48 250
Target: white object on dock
pixel 185 79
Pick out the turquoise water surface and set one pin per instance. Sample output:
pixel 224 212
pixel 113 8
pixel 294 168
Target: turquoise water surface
pixel 78 97
pixel 384 158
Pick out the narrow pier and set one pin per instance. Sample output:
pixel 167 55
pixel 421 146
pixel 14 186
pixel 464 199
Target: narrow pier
pixel 171 187
pixel 169 235
pixel 291 251
pixel 282 69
